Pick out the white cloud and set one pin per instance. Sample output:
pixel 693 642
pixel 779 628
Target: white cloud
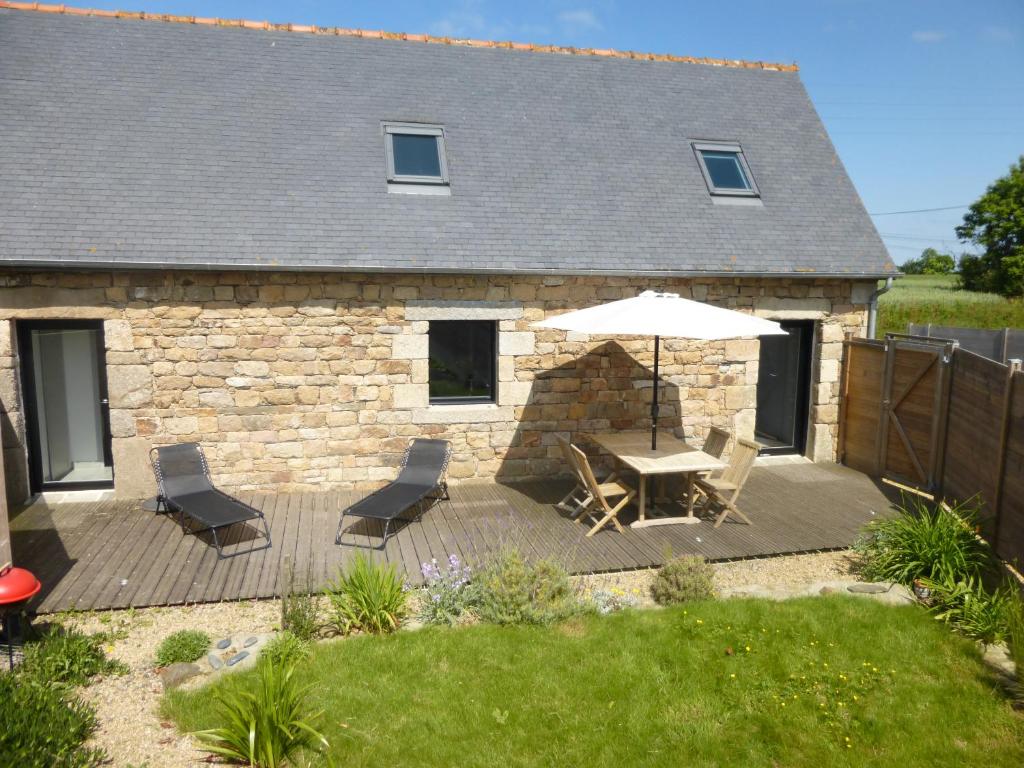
pixel 467 19
pixel 928 36
pixel 999 33
pixel 580 20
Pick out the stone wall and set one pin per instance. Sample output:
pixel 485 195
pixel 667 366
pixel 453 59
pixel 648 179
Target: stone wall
pixel 301 380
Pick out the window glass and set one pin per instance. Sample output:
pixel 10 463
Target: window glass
pixel 725 170
pixel 415 155
pixel 462 360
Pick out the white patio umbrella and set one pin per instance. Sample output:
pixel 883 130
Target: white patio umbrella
pixel 662 314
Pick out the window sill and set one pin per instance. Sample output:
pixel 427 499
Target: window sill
pixel 749 200
pixel 463 413
pixel 437 190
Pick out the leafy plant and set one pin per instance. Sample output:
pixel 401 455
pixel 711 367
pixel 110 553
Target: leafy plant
pixel 924 542
pixel 449 593
pixel 43 727
pixel 683 579
pixel 266 727
pixel 971 609
pixel 300 615
pixel 606 601
pixel 284 649
pixel 68 656
pixel 183 646
pixel 367 596
pixel 515 591
pixel 1015 625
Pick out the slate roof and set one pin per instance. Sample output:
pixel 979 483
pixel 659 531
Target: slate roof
pixel 131 143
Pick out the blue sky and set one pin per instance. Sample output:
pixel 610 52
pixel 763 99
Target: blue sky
pixel 924 99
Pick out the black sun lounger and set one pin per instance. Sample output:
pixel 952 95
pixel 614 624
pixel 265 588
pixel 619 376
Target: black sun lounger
pixel 421 478
pixel 185 488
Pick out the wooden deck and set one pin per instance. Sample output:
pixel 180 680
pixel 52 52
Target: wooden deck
pixel 115 555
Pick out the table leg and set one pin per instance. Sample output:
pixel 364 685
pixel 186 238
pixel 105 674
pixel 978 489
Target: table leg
pixel 689 494
pixel 643 497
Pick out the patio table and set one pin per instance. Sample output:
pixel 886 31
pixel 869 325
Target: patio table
pixel 671 457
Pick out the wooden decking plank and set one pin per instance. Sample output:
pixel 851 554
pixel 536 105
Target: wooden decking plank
pixel 239 564
pixel 276 512
pixel 53 560
pixel 216 582
pixel 135 566
pixel 102 579
pixel 288 549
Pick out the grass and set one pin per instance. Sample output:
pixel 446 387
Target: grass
pixel 936 299
pixel 826 681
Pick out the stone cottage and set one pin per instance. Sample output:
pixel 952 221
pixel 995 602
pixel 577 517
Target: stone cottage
pixel 302 246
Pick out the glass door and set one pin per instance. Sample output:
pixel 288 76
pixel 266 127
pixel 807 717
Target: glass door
pixel 783 389
pixel 65 387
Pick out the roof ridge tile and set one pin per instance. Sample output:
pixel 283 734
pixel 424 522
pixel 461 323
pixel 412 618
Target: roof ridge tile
pixel 383 35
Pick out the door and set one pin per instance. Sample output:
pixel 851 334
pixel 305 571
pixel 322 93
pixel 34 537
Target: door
pixel 67 413
pixel 784 388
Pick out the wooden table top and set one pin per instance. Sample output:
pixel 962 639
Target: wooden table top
pixel 673 456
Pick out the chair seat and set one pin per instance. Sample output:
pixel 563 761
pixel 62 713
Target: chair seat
pixel 715 484
pixel 614 489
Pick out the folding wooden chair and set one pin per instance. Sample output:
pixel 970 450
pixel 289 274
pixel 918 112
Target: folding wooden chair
pixel 715 445
pixel 723 490
pixel 601 493
pixel 579 498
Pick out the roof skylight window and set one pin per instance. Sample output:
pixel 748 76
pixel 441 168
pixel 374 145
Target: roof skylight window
pixel 415 154
pixel 725 169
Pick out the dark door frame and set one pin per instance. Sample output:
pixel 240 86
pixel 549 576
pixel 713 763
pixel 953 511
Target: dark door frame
pixel 802 408
pixel 28 387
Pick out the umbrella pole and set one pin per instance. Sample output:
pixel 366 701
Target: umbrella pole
pixel 654 398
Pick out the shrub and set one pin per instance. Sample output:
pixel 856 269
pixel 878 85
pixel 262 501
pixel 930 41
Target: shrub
pixel 42 727
pixel 448 594
pixel 683 579
pixel 182 647
pixel 266 727
pixel 284 650
pixel 67 656
pixel 923 542
pixel 972 610
pixel 300 615
pixel 606 601
pixel 367 596
pixel 514 591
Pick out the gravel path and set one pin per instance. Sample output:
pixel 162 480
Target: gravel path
pixel 131 730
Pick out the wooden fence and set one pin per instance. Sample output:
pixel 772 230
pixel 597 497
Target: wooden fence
pixel 1002 345
pixel 929 414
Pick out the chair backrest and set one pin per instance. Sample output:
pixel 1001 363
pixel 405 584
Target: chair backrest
pixel 180 469
pixel 716 443
pixel 741 461
pixel 425 462
pixel 588 476
pixel 570 459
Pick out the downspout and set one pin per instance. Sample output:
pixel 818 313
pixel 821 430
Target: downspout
pixel 873 306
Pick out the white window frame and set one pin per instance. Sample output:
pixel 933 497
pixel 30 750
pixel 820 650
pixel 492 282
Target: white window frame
pixel 700 147
pixel 414 129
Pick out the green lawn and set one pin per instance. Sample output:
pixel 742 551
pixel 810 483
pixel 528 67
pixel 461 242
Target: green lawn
pixel 723 683
pixel 935 299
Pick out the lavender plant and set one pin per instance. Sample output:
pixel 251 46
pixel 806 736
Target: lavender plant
pixel 449 594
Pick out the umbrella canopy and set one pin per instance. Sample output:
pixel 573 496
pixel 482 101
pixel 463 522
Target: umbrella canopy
pixel 662 314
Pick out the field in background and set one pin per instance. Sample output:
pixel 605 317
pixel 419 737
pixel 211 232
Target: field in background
pixel 936 299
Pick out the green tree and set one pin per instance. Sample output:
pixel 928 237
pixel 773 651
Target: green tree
pixel 931 262
pixel 996 223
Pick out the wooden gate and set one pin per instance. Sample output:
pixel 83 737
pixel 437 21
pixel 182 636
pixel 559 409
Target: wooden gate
pixel 895 405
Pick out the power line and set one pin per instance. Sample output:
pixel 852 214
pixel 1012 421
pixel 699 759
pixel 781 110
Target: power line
pixel 921 210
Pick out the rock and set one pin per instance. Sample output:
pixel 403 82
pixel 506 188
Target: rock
pixel 864 588
pixel 827 590
pixel 998 657
pixel 214 661
pixel 174 675
pixel 250 641
pixel 222 644
pixel 237 658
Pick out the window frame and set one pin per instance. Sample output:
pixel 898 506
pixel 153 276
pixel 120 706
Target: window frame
pixel 493 359
pixel 390 129
pixel 700 147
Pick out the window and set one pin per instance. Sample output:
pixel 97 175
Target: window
pixel 725 169
pixel 415 154
pixel 462 361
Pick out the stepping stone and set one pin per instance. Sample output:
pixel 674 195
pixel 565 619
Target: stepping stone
pixel 174 675
pixel 237 658
pixel 250 641
pixel 868 589
pixel 222 644
pixel 214 660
